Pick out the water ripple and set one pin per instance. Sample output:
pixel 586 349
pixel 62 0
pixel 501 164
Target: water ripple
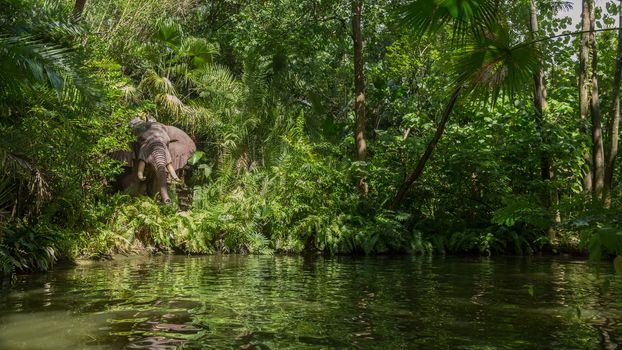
pixel 296 302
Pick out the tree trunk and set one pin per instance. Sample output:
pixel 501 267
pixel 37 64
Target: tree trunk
pixel 78 8
pixel 415 174
pixel 541 106
pixel 359 81
pixel 540 101
pixel 615 122
pixel 584 51
pixel 597 132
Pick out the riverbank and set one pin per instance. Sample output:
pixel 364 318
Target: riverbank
pixel 143 227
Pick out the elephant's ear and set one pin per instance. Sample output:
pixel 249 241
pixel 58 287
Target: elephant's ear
pixel 126 156
pixel 181 146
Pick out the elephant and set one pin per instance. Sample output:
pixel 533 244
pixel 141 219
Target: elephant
pixel 159 151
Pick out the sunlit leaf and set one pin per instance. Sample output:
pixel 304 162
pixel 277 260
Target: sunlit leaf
pixel 196 157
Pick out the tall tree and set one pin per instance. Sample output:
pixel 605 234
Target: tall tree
pixel 78 8
pixel 540 101
pixel 359 81
pixel 615 122
pixel 584 52
pixel 597 132
pixel 541 105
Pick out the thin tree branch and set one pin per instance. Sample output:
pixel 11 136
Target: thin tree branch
pixel 416 173
pixel 528 43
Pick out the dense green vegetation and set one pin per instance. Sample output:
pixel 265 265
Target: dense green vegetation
pixel 460 155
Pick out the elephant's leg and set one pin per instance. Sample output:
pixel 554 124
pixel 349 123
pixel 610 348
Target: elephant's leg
pixel 141 188
pixel 125 180
pixel 141 170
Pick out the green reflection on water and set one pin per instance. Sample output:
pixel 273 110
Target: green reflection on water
pixel 294 302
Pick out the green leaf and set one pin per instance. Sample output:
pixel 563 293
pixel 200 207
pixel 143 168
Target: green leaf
pixel 169 33
pixel 196 157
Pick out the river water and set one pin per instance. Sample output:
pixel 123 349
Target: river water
pixel 268 302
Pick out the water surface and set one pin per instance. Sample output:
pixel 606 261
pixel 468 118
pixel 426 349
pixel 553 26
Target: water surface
pixel 237 302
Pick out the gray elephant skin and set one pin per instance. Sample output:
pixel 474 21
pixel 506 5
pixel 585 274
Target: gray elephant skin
pixel 158 153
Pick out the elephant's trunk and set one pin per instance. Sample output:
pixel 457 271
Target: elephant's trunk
pixel 159 160
pixel 162 183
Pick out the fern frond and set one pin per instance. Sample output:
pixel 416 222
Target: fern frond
pixel 154 83
pixel 170 103
pixel 216 83
pixel 25 60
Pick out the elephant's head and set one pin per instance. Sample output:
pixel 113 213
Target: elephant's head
pixel 161 147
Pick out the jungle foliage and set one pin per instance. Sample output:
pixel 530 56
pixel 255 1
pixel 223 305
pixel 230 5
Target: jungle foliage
pixel 458 158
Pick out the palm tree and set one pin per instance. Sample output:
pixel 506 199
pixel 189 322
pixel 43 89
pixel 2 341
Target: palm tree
pixel 489 59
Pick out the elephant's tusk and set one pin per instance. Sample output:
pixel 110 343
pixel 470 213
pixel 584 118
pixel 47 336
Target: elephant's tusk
pixel 171 171
pixel 141 170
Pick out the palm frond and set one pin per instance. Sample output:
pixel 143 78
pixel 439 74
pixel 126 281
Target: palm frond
pixel 467 16
pixel 155 84
pixel 494 64
pixel 6 196
pixel 180 73
pixel 215 82
pixel 130 93
pixel 562 5
pixel 26 60
pixel 22 168
pixel 171 103
pixel 37 48
pixel 200 50
pixel 198 119
pixel 170 33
